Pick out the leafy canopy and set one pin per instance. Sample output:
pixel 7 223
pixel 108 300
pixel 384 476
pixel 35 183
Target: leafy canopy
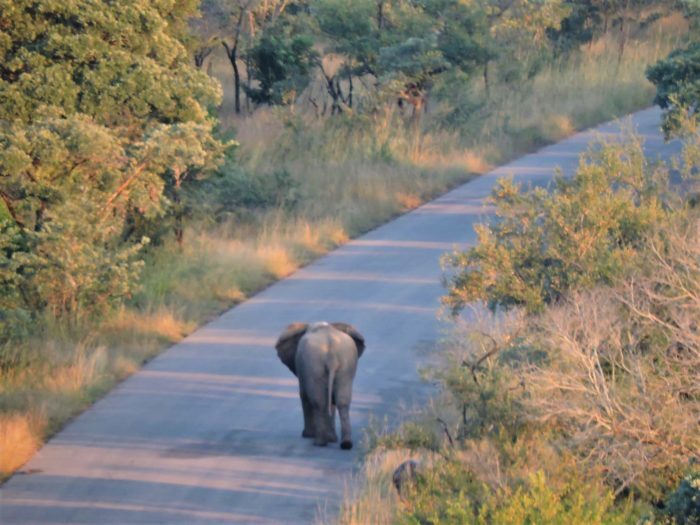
pixel 677 81
pixel 99 112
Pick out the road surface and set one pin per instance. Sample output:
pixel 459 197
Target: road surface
pixel 209 431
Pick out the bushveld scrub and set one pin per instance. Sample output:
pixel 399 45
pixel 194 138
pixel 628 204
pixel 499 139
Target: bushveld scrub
pixel 585 407
pixel 581 233
pixel 298 185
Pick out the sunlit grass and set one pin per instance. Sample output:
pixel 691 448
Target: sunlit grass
pixel 20 437
pixel 370 496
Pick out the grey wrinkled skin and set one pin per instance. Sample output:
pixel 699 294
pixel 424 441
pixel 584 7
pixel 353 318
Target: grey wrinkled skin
pixel 324 358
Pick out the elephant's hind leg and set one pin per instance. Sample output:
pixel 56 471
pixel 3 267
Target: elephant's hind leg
pixel 316 394
pixel 345 430
pixel 308 431
pixel 320 419
pixel 332 436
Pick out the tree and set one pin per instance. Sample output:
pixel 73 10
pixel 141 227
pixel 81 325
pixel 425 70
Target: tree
pixel 91 100
pixel 466 40
pixel 352 34
pixel 587 20
pixel 236 17
pixel 281 62
pixel 677 81
pixel 235 25
pixel 207 29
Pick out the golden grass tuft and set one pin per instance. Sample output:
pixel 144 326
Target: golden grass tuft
pixel 85 369
pixel 370 497
pixel 276 260
pixel 162 324
pixel 19 440
pixel 408 201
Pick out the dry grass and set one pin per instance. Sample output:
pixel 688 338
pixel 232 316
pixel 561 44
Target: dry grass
pixel 370 497
pixel 622 377
pixel 20 437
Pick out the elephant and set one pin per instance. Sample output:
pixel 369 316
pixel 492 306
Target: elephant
pixel 324 357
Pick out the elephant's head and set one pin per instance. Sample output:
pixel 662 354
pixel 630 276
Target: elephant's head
pixel 289 340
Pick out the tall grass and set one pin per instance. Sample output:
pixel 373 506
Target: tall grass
pixel 353 172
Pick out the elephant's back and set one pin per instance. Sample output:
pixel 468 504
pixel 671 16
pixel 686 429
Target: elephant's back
pixel 324 341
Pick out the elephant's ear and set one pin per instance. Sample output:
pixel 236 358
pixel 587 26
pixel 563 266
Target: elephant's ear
pixel 352 332
pixel 287 344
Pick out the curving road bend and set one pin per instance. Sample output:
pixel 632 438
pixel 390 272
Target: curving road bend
pixel 209 431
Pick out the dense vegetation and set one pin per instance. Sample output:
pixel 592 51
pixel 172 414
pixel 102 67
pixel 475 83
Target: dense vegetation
pixel 578 401
pixel 102 120
pixel 128 215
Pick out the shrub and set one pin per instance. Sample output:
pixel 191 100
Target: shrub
pixel 450 493
pixel 683 505
pixel 677 81
pixel 583 232
pixel 620 382
pixel 480 388
pixel 538 501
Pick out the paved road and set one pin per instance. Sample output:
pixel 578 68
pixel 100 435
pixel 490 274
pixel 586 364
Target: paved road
pixel 209 431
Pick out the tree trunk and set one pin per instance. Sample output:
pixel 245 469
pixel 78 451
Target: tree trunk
pixel 200 55
pixel 350 90
pixel 333 89
pixel 179 229
pixel 248 76
pixel 39 217
pixel 232 54
pixel 237 85
pixel 487 87
pixel 623 33
pixel 623 40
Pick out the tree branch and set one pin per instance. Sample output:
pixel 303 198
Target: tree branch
pixel 11 210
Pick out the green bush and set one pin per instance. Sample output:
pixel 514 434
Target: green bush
pixel 683 505
pixel 536 501
pixel 486 398
pixel 445 494
pixel 585 231
pixel 677 81
pixel 450 493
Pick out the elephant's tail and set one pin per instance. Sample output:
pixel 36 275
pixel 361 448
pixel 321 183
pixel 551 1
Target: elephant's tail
pixel 331 380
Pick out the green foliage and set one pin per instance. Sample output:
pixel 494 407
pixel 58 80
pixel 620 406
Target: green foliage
pixel 100 112
pixel 677 81
pixel 682 507
pixel 465 40
pixel 582 24
pixel 120 64
pixel 485 397
pixel 447 493
pixel 416 59
pixel 451 493
pixel 584 231
pixel 232 192
pixel 352 28
pixel 538 501
pixel 281 62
